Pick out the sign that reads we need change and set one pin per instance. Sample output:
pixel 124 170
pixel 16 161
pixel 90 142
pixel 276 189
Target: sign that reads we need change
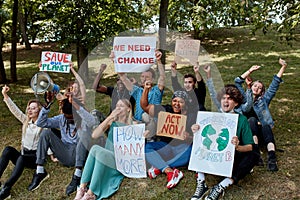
pixel 55 62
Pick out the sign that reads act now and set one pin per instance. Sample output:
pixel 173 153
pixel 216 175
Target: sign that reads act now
pixel 171 125
pixel 55 62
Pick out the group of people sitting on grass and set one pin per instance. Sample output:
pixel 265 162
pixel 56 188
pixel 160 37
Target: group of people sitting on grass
pixel 71 134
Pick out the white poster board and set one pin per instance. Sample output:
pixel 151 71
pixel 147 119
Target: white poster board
pixel 129 148
pixel 212 151
pixel 187 51
pixel 134 54
pixel 55 62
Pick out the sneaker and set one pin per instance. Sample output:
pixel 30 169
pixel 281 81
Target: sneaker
pixel 201 190
pixel 80 193
pixel 88 196
pixel 5 193
pixel 174 178
pixel 72 187
pixel 272 164
pixel 153 172
pixel 37 179
pixel 215 193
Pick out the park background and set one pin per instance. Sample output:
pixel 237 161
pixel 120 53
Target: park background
pixel 233 49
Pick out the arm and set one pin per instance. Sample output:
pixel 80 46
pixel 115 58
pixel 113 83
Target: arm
pixel 148 108
pixel 249 71
pixel 162 75
pixel 283 67
pixel 197 73
pixel 44 122
pixel 13 108
pixel 201 89
pixel 241 148
pixel 100 130
pixel 96 86
pixel 211 88
pixel 248 101
pixel 128 84
pixel 81 84
pixel 175 84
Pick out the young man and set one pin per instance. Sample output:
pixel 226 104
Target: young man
pixel 196 94
pixel 167 153
pixel 71 149
pixel 245 156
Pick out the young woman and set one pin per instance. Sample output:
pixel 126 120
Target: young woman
pixel 30 137
pixel 259 116
pixel 100 178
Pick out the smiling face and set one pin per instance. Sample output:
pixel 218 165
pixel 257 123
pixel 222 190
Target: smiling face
pixel 227 103
pixel 189 84
pixel 178 105
pixel 257 88
pixel 75 89
pixel 33 111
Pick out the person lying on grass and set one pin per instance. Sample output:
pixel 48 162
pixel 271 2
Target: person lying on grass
pixel 167 153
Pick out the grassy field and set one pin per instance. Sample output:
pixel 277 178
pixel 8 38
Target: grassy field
pixel 233 52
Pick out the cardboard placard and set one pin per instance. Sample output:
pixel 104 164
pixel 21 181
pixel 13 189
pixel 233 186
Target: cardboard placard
pixel 134 54
pixel 171 125
pixel 212 150
pixel 55 62
pixel 129 148
pixel 187 51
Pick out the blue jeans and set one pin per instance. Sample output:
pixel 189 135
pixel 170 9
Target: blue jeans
pixel 162 155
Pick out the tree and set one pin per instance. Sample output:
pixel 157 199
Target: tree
pixel 14 40
pixel 3 22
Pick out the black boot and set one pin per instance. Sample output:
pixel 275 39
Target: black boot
pixel 272 161
pixel 72 187
pixel 5 192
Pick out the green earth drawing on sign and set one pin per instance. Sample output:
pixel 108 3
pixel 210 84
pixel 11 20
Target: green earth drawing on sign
pixel 213 140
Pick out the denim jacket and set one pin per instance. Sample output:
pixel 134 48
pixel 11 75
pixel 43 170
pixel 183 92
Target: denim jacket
pixel 261 105
pixel 243 108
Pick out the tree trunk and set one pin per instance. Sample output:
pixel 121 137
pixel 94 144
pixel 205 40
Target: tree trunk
pixel 13 58
pixel 162 32
pixel 23 30
pixel 82 61
pixel 3 78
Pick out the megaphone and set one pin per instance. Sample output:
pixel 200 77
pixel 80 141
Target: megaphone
pixel 41 82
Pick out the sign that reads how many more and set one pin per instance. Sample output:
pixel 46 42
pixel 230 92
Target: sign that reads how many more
pixel 55 62
pixel 129 148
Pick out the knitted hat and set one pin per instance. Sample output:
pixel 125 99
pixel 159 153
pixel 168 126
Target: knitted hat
pixel 181 94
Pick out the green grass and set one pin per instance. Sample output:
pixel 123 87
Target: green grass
pixel 233 51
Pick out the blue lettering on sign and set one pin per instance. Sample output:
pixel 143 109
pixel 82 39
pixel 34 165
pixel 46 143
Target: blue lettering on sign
pixel 132 166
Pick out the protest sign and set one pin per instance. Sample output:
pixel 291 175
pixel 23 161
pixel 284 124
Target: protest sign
pixel 212 151
pixel 55 62
pixel 134 54
pixel 187 51
pixel 171 125
pixel 129 148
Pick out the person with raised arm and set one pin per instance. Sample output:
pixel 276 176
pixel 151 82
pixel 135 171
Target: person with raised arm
pixel 26 157
pixel 259 116
pixel 168 153
pixel 196 94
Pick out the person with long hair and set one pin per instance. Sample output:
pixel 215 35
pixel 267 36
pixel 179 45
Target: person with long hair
pixel 259 116
pixel 100 177
pixel 30 137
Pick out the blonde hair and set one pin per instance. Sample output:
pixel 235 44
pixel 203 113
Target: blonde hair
pixel 128 104
pixel 25 124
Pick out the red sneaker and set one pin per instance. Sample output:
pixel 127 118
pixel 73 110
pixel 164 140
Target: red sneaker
pixel 153 172
pixel 173 178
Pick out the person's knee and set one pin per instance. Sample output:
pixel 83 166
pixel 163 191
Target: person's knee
pixel 7 150
pixel 252 121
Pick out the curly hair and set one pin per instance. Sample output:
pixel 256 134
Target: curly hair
pixel 233 92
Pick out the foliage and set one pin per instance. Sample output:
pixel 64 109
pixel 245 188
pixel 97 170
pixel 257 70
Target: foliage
pixel 233 51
